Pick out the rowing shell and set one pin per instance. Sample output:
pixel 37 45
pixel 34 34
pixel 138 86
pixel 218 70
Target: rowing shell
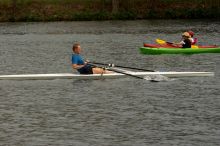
pixel 102 76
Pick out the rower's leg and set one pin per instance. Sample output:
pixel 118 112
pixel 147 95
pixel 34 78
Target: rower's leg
pixel 97 70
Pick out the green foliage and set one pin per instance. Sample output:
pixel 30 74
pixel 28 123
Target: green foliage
pixel 30 18
pixel 152 14
pixel 68 10
pixel 125 15
pixel 88 16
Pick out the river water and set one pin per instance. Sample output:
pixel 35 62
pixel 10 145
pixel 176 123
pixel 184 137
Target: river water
pixel 110 112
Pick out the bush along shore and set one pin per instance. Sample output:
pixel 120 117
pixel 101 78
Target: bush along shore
pixel 73 10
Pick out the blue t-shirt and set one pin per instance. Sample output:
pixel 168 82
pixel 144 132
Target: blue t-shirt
pixel 77 59
pixel 86 69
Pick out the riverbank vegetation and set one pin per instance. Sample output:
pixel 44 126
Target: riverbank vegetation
pixel 71 10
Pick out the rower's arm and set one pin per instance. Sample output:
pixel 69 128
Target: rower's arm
pixel 76 66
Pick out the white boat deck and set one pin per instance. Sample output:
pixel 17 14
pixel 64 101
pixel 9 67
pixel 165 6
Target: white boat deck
pixel 100 76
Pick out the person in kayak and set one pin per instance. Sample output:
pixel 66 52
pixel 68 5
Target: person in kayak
pixel 83 67
pixel 186 42
pixel 193 40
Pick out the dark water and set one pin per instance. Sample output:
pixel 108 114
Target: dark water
pixel 116 112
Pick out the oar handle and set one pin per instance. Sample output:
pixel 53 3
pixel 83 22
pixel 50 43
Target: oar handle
pixel 112 65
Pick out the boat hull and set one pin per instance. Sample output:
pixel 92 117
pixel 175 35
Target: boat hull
pixel 171 46
pixel 158 51
pixel 101 76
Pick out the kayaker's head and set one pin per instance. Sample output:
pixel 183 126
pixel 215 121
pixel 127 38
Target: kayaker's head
pixel 191 33
pixel 76 48
pixel 186 35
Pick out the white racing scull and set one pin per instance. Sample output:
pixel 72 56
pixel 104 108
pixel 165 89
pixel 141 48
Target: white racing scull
pixel 102 76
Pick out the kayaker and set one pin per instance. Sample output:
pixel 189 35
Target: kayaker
pixel 193 40
pixel 186 42
pixel 83 67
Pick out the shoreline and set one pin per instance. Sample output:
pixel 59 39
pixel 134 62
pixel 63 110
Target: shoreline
pixel 99 10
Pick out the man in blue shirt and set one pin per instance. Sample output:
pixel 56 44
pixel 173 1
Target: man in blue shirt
pixel 82 66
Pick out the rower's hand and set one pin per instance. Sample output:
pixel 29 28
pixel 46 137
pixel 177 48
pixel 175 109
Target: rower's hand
pixel 111 65
pixel 87 61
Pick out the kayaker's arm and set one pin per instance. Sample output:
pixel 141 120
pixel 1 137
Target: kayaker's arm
pixel 180 44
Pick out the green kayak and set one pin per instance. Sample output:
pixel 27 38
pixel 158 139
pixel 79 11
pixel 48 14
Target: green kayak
pixel 158 51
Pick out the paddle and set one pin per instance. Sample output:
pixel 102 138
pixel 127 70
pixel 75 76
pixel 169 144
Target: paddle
pixel 159 41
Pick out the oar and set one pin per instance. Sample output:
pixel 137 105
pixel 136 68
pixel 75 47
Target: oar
pixel 112 65
pixel 154 78
pixel 159 41
pixel 118 71
pixel 157 79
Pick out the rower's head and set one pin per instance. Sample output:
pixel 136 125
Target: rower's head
pixel 76 48
pixel 186 35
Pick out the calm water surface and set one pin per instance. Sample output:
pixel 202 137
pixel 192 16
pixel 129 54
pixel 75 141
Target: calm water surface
pixel 116 112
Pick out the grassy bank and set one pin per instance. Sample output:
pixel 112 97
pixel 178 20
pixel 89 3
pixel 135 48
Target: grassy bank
pixel 70 10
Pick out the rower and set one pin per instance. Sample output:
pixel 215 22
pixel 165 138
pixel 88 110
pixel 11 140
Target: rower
pixel 83 67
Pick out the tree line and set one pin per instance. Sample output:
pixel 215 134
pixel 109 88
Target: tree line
pixel 55 10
